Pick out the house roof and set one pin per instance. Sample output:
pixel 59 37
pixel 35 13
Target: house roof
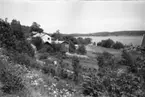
pixel 65 42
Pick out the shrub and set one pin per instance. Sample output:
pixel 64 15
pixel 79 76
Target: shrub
pixel 94 43
pixel 104 59
pixel 6 35
pixel 49 69
pixel 106 43
pixel 43 56
pixel 56 47
pixel 99 44
pixel 76 68
pixel 93 86
pixel 113 83
pixel 81 50
pixel 46 48
pixel 24 47
pixel 12 83
pixel 13 39
pixel 72 47
pixel 25 59
pixel 118 45
pixel 38 42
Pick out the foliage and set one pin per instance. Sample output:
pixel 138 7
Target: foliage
pixel 24 59
pixel 12 83
pixel 17 30
pixel 106 43
pixel 94 43
pixel 81 50
pixel 36 28
pixel 118 45
pixel 84 41
pixel 13 39
pixel 24 47
pixel 6 35
pixel 43 56
pixel 38 42
pixel 57 35
pixel 113 80
pixel 46 48
pixel 56 47
pixel 104 59
pixel 69 38
pixel 72 48
pixel 76 68
pixel 92 86
pixel 127 59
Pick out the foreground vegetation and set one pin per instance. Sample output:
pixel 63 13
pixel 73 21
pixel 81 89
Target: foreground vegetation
pixel 50 73
pixel 109 43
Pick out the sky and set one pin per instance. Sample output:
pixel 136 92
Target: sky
pixel 76 16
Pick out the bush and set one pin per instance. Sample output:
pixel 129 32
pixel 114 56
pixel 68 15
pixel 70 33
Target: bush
pixel 118 45
pixel 81 50
pixel 112 81
pixel 24 47
pixel 93 86
pixel 12 38
pixel 49 69
pixel 38 42
pixel 43 56
pixel 72 48
pixel 104 59
pixel 56 47
pixel 106 43
pixel 26 60
pixel 6 35
pixel 76 68
pixel 46 48
pixel 12 83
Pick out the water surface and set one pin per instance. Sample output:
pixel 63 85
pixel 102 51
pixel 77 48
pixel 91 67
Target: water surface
pixel 135 40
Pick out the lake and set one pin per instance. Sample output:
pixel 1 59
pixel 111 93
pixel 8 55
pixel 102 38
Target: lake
pixel 135 40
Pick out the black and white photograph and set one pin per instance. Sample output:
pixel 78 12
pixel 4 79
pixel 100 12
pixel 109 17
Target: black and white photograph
pixel 72 48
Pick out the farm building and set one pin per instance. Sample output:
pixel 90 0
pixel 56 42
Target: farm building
pixel 45 37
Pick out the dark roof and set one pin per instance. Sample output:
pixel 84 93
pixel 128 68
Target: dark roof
pixel 65 42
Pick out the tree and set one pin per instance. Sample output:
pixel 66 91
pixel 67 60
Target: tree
pixel 81 50
pixel 57 35
pixel 17 29
pixel 36 27
pixel 76 68
pixel 13 39
pixel 72 47
pixel 118 45
pixel 38 42
pixel 106 43
pixel 87 41
pixel 80 40
pixel 6 35
pixel 68 38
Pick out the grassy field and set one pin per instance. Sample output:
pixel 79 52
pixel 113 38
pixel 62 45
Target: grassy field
pixel 93 50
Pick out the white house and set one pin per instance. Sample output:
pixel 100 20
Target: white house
pixel 45 37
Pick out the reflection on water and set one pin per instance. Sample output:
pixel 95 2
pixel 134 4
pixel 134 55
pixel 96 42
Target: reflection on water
pixel 135 40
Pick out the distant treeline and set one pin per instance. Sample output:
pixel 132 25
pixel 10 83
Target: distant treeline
pixel 116 33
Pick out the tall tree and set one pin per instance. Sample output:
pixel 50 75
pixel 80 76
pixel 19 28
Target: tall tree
pixel 36 28
pixel 16 28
